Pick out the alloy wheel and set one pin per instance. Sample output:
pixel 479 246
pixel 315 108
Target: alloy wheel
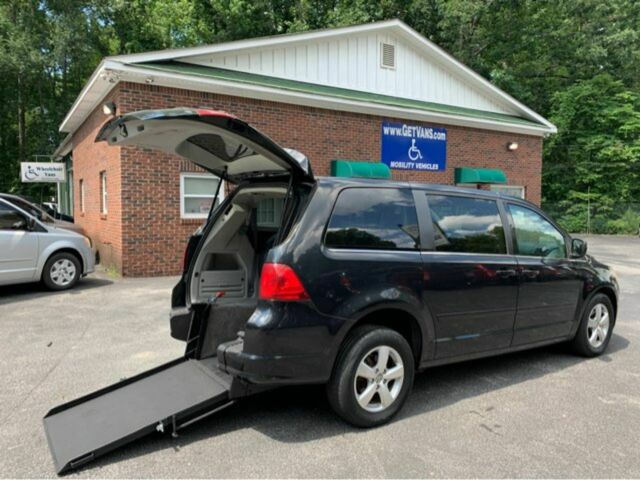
pixel 598 325
pixel 378 380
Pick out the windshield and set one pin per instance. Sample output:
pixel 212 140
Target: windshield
pixel 31 209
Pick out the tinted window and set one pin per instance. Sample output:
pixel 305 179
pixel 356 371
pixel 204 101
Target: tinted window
pixel 535 236
pixel 10 219
pixel 374 218
pixel 31 209
pixel 463 224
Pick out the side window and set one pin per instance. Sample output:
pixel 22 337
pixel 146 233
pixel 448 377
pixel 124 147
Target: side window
pixel 381 218
pixel 464 224
pixel 535 236
pixel 11 219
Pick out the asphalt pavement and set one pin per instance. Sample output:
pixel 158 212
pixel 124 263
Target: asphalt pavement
pixel 541 413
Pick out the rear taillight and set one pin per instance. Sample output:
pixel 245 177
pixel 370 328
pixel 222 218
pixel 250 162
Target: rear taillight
pixel 279 282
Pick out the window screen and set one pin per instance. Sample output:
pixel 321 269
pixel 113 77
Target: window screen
pixel 535 236
pixel 373 218
pixel 464 224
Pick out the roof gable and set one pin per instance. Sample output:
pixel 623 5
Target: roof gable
pixel 354 62
pixel 346 58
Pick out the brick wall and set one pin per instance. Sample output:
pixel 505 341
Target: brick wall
pixel 89 159
pixel 153 235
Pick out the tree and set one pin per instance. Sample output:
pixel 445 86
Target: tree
pixel 595 157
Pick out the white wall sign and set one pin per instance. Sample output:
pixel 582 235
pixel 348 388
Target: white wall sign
pixel 32 172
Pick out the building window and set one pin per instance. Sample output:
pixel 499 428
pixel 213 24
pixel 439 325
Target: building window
pixel 511 190
pixel 198 193
pixel 103 192
pixel 270 212
pixel 81 190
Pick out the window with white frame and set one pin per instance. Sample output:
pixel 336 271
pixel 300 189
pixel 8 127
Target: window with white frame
pixel 270 212
pixel 511 190
pixel 103 192
pixel 81 189
pixel 198 193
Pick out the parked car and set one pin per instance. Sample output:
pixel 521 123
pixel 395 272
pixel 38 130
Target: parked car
pixel 33 250
pixel 52 209
pixel 353 283
pixel 61 221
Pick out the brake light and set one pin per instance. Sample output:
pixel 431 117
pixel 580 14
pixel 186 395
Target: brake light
pixel 279 282
pixel 205 112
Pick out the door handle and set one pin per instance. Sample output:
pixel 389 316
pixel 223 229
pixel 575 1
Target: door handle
pixel 530 273
pixel 506 272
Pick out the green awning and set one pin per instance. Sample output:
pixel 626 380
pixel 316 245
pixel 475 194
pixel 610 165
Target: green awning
pixel 348 169
pixel 480 175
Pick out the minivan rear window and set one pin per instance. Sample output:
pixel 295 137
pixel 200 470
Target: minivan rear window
pixel 465 224
pixel 380 218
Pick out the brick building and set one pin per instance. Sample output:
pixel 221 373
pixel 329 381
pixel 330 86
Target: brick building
pixel 326 93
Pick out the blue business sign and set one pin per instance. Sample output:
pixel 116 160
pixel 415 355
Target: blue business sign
pixel 414 147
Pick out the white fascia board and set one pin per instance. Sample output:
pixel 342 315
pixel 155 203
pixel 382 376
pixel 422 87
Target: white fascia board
pixel 95 86
pixel 138 74
pixel 63 149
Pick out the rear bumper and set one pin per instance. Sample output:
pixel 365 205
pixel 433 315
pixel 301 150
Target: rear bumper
pixel 284 344
pixel 271 370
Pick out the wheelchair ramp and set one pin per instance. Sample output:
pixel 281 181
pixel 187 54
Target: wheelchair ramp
pixel 162 399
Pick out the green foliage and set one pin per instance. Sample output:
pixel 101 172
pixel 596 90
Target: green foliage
pixel 577 62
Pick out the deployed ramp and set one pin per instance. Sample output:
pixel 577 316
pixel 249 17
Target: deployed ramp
pixel 166 397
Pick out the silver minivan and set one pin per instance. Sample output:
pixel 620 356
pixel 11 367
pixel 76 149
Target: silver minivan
pixel 32 250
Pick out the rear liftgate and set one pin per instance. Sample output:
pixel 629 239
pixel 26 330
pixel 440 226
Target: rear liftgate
pixel 178 393
pixel 166 398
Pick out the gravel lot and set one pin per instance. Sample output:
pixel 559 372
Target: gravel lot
pixel 542 413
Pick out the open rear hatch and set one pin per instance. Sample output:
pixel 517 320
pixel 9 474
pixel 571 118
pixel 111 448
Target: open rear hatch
pixel 216 141
pixel 178 393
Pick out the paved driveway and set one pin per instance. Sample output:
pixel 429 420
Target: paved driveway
pixel 542 413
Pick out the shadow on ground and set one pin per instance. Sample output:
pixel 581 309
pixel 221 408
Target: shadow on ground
pixel 29 291
pixel 302 414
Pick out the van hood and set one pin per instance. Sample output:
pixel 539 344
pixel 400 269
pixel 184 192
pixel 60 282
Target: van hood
pixel 69 226
pixel 214 140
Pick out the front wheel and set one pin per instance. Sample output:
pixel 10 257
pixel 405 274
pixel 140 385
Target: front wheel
pixel 595 327
pixel 62 271
pixel 373 376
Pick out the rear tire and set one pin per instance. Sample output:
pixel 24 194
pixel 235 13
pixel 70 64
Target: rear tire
pixel 372 377
pixel 596 327
pixel 61 271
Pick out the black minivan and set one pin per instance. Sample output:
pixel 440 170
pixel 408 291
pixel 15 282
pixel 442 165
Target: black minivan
pixel 359 283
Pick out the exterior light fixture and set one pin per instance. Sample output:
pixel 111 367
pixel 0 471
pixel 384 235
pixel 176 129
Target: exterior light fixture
pixel 512 146
pixel 109 108
pixel 148 80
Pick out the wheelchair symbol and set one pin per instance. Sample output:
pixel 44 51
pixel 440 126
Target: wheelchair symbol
pixel 30 174
pixel 414 152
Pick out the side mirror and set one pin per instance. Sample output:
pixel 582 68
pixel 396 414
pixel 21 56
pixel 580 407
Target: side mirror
pixel 578 248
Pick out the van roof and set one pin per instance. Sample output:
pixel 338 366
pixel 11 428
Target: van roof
pixel 436 187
